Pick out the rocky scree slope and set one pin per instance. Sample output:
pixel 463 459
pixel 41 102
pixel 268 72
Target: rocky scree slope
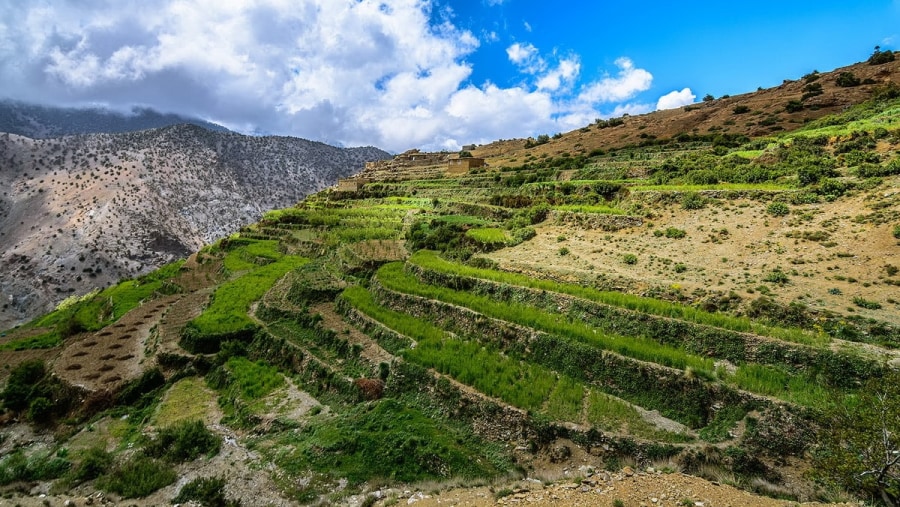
pixel 81 212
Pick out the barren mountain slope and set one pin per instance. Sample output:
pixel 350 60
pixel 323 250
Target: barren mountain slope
pixel 78 213
pixel 760 113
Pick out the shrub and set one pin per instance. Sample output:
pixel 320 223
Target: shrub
pixel 184 441
pixel 793 106
pixel 94 463
pixel 740 109
pixel 138 477
pixel 680 268
pixel 896 231
pixel 865 303
pixel 675 233
pixel 778 209
pixel 692 200
pixel 847 79
pixel 207 491
pixel 18 392
pixel 629 258
pixel 812 90
pixel 563 251
pixel 777 276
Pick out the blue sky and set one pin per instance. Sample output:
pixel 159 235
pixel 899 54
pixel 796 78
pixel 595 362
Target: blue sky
pixel 432 74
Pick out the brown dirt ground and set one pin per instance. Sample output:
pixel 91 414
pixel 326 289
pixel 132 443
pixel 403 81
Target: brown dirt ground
pixel 115 354
pixel 733 246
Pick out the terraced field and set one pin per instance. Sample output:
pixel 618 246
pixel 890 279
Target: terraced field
pixel 701 304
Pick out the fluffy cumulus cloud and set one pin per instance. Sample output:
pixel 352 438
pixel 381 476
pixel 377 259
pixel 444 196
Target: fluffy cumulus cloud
pixel 390 73
pixel 676 99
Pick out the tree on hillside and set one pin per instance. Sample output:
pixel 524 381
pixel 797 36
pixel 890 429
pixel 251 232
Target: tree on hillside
pixel 860 449
pixel 878 56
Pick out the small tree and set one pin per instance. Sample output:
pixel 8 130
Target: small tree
pixel 708 98
pixel 879 57
pixel 860 448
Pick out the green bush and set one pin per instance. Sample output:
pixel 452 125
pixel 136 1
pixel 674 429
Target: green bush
pixel 778 209
pixel 563 251
pixel 741 109
pixel 847 79
pixel 138 477
pixel 40 466
pixel 675 233
pixel 21 384
pixel 629 258
pixel 867 304
pixel 896 231
pixel 207 491
pixel 692 201
pixel 184 441
pixel 793 106
pixel 879 57
pixel 94 463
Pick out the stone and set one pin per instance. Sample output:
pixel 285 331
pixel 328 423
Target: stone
pixel 628 471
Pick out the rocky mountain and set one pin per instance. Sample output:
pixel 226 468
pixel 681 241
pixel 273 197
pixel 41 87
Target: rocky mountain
pixel 81 212
pixel 42 122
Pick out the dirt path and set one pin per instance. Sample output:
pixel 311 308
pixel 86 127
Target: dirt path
pixel 632 488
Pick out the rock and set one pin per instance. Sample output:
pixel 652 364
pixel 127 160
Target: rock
pixel 628 471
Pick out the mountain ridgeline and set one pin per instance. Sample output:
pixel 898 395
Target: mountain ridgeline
pixel 43 122
pixel 81 212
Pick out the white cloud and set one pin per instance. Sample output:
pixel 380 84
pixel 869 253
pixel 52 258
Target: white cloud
pixel 521 53
pixel 565 73
pixel 390 73
pixel 628 82
pixel 527 26
pixel 676 99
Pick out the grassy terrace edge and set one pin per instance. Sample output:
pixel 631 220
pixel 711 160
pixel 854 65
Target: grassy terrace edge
pixel 430 260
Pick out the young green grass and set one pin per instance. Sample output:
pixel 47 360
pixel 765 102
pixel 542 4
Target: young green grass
pixel 395 278
pixel 431 260
pixel 228 311
pixel 600 210
pixel 488 235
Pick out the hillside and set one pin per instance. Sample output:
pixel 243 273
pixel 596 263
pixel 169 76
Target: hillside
pixel 80 212
pixel 600 318
pixel 44 122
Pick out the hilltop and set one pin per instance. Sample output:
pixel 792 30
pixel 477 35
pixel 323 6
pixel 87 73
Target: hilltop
pixel 45 122
pixel 78 213
pixel 644 310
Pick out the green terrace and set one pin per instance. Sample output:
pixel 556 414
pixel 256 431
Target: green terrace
pixel 759 379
